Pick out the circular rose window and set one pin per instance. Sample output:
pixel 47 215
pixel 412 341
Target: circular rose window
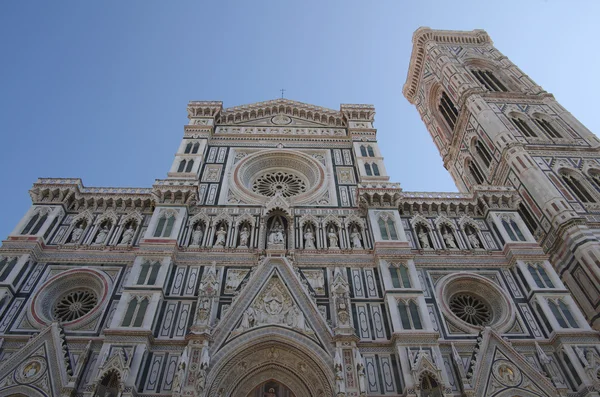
pixel 292 174
pixel 470 302
pixel 286 183
pixel 471 309
pixel 74 297
pixel 75 304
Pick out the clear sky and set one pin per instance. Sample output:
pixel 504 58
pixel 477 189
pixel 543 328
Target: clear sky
pixel 98 90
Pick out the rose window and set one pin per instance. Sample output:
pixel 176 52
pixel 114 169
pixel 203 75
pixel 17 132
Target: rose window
pixel 75 304
pixel 285 183
pixel 470 309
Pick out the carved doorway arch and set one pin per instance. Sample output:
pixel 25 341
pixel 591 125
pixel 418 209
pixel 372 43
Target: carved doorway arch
pixel 270 354
pixel 271 388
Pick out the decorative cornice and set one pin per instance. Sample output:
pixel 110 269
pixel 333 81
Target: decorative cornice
pixel 421 37
pixel 281 106
pixel 197 109
pixel 69 190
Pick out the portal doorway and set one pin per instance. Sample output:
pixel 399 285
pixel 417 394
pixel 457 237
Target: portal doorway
pixel 271 388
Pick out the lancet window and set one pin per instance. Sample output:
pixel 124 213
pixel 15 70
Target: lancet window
pixel 134 316
pixel 523 126
pixel 35 223
pixel 512 229
pixel 577 187
pixel 539 275
pixel 483 153
pixel 563 314
pixel 475 173
pixel 368 169
pixel 375 169
pixel 387 228
pixel 448 110
pixel 489 80
pixel 547 127
pixel 6 266
pixel 164 225
pixel 400 277
pixel 148 273
pixel 409 314
pixel 527 218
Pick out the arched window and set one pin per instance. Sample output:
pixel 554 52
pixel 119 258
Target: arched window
pixel 547 127
pixel 196 147
pixel 363 151
pixel 430 387
pixel 524 127
pixel 164 225
pixel 6 266
pixel 135 312
pixel 509 230
pixel 540 276
pixel 483 153
pixel 595 177
pixel 400 278
pixel 527 218
pixel 563 314
pixel 35 223
pixel 448 111
pixel 190 165
pixel 370 150
pixel 375 169
pixel 576 187
pixel 409 315
pixel 513 230
pixel 475 173
pixel 368 169
pixel 109 385
pixel 517 230
pixel 488 80
pixel 181 166
pixel 188 148
pixel 387 229
pixel 148 273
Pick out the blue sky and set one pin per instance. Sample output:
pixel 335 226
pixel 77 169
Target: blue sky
pixel 98 90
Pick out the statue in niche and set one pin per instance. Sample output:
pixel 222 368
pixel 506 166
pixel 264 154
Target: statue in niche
pixel 309 238
pixel 179 376
pixel 360 370
pixel 423 238
pixel 296 319
pixel 197 235
pixel 77 233
pixel 333 238
pixel 127 235
pixel 356 238
pixel 449 238
pixel 276 234
pixel 244 237
pixel 102 235
pixel 472 236
pixel 221 234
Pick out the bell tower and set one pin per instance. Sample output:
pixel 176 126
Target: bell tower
pixel 493 125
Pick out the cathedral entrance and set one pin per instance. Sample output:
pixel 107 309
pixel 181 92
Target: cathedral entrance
pixel 271 388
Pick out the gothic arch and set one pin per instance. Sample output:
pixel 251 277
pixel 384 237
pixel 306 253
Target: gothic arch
pixel 109 215
pixel 200 217
pixel 22 390
pixel 271 353
pixel 132 216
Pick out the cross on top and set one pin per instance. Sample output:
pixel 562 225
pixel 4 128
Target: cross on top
pixel 282 91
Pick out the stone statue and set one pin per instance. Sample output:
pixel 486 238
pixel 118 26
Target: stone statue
pixel 297 319
pixel 356 238
pixel 276 234
pixel 102 235
pixel 474 240
pixel 248 319
pixel 340 383
pixel 127 236
pixel 244 237
pixel 180 375
pixel 449 239
pixel 197 236
pixel 271 393
pixel 77 232
pixel 360 370
pixel 333 238
pixel 204 357
pixel 200 381
pixel 309 239
pixel 221 234
pixel 423 239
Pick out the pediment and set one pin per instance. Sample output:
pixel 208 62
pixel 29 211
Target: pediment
pixel 273 296
pixel 499 368
pixel 283 120
pixel 42 364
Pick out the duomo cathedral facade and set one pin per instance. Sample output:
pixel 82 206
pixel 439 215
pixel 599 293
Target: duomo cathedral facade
pixel 277 259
